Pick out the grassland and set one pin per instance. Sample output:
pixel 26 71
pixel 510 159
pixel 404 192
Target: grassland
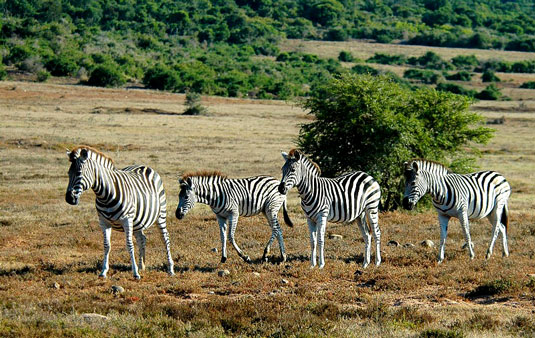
pixel 50 252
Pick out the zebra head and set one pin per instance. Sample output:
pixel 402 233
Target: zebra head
pixel 80 177
pixel 415 185
pixel 291 171
pixel 186 198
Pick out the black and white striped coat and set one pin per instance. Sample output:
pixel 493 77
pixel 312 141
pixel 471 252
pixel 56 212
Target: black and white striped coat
pixel 230 198
pixel 466 197
pixel 351 197
pixel 129 200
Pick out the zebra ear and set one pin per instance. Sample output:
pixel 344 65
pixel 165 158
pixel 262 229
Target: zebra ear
pixel 415 166
pixel 83 154
pixel 297 155
pixel 189 182
pixel 284 155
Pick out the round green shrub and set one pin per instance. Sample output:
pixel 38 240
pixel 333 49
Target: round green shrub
pixel 106 75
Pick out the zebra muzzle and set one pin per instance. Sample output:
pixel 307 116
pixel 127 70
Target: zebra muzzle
pixel 407 204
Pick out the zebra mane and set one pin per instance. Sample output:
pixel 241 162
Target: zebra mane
pixel 292 154
pixel 429 164
pixel 204 173
pixel 97 153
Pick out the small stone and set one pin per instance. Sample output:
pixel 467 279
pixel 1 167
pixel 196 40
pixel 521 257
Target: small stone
pixel 408 245
pixel 93 317
pixel 211 292
pixel 531 275
pixel 56 285
pixel 272 293
pixel 428 243
pixel 284 281
pixel 223 273
pixel 393 243
pixel 214 250
pixel 117 289
pixel 256 274
pixel 335 236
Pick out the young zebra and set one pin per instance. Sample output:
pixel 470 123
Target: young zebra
pixel 231 198
pixel 129 200
pixel 471 196
pixel 346 198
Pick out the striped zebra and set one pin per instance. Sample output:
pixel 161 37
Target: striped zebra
pixel 351 197
pixel 230 198
pixel 129 200
pixel 466 197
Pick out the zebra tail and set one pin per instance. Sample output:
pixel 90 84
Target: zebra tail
pixel 505 218
pixel 287 219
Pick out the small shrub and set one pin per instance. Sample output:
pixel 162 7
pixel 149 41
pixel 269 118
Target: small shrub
pixel 528 85
pixel 364 69
pixel 460 76
pixel 491 288
pixel 345 56
pixel 431 60
pixel 489 76
pixel 3 73
pixel 43 75
pixel 425 76
pixel 467 62
pixel 456 89
pixel 193 104
pixel 440 333
pixel 162 78
pixel 483 322
pixel 490 93
pixel 106 75
pixel 61 65
pixel 388 59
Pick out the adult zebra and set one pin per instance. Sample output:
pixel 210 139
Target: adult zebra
pixel 346 198
pixel 231 198
pixel 466 197
pixel 129 200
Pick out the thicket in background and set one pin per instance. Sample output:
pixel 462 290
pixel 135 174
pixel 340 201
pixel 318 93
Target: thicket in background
pixel 374 124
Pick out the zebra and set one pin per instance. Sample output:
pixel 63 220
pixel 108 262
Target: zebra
pixel 351 197
pixel 230 198
pixel 472 196
pixel 129 199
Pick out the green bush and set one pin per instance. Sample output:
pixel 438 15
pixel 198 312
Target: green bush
pixel 162 78
pixel 455 89
pixel 490 93
pixel 460 76
pixel 106 75
pixel 489 76
pixel 388 59
pixel 345 56
pixel 373 124
pixel 193 104
pixel 43 75
pixel 528 85
pixel 425 76
pixel 431 60
pixel 364 69
pixel 467 62
pixel 3 73
pixel 61 65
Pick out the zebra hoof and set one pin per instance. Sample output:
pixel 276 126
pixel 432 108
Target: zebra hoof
pixel 487 256
pixel 137 277
pixel 223 259
pixel 247 259
pixel 103 276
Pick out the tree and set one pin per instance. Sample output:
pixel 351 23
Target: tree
pixel 374 124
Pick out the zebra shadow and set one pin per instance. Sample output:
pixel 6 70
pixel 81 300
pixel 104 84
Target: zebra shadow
pixel 359 259
pixel 97 268
pixel 297 258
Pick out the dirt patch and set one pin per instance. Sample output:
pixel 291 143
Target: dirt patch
pixel 132 111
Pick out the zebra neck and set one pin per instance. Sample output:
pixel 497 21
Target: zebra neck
pixel 305 187
pixel 208 192
pixel 436 186
pixel 104 185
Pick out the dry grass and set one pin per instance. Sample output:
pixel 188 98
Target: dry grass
pixel 45 241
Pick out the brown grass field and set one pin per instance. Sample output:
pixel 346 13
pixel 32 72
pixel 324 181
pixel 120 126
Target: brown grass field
pixel 50 252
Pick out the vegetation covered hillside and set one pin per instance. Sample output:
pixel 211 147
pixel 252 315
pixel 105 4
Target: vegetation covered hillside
pixel 230 47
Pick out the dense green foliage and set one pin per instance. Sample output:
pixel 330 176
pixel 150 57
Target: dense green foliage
pixel 528 85
pixel 373 124
pixel 462 75
pixel 425 76
pixel 489 76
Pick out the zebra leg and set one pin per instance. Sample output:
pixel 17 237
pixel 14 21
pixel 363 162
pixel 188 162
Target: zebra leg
pixel 106 232
pixel 321 239
pixel 128 230
pixel 165 238
pixel 496 228
pixel 276 231
pixel 312 230
pixel 465 224
pixel 223 234
pixel 233 222
pixel 267 249
pixel 361 222
pixel 373 220
pixel 443 220
pixel 141 240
